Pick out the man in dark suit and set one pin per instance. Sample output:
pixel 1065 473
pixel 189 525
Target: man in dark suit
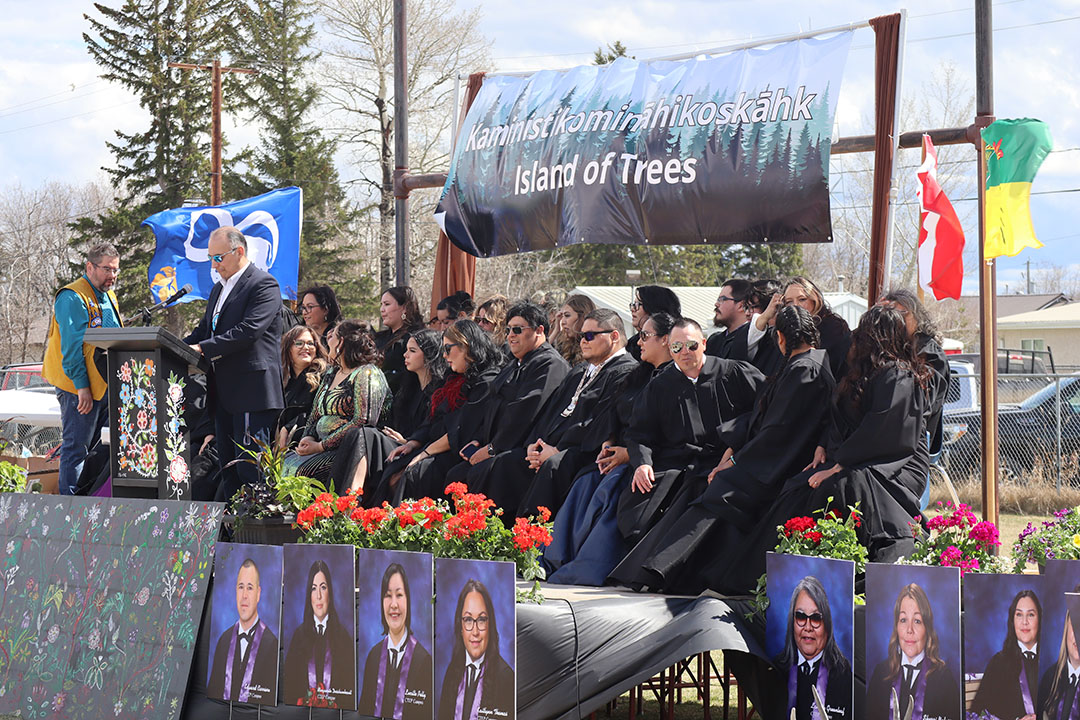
pixel 246 656
pixel 240 334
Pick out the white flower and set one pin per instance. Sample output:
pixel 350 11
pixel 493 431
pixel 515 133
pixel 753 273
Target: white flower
pixel 10 546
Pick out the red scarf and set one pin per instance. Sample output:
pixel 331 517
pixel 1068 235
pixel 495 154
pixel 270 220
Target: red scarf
pixel 450 393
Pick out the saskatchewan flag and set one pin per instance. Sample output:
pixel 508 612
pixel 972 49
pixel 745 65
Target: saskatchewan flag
pixel 1014 151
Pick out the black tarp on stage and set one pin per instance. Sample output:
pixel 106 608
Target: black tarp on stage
pixel 618 638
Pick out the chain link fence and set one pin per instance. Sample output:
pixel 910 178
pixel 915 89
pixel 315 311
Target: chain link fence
pixel 1038 429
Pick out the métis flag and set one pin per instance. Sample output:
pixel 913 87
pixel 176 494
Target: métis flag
pixel 1014 151
pixel 270 223
pixel 941 239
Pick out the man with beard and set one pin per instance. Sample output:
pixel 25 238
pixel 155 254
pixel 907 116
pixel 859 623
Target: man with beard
pixel 733 315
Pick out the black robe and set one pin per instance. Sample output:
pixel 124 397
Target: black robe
pixel 881 446
pixel 497 694
pixel 835 339
pixel 772 442
pixel 263 675
pixel 512 407
pixel 767 357
pixel 549 485
pixel 299 396
pixel 419 691
pixel 305 645
pixel 999 690
pixel 935 358
pixel 1056 704
pixel 838 693
pixel 730 344
pixel 676 429
pixel 393 356
pixel 941 701
pixel 411 406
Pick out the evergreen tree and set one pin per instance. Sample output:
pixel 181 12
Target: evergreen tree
pixel 278 36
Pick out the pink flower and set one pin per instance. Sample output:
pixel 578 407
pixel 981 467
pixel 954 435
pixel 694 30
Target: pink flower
pixel 985 533
pixel 951 556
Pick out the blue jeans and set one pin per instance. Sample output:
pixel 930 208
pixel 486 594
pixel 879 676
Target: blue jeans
pixel 78 432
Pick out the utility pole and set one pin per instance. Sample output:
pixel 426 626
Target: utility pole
pixel 216 70
pixel 401 144
pixel 1030 285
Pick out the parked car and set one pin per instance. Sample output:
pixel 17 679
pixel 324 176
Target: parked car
pixel 1027 434
pixel 29 411
pixel 22 376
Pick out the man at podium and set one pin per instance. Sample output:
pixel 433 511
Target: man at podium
pixel 71 365
pixel 240 335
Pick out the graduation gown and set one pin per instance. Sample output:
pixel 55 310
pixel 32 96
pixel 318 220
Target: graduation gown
pixel 549 485
pixel 512 407
pixel 676 428
pixel 838 693
pixel 767 357
pixel 730 344
pixel 1000 692
pixel 835 339
pixel 935 358
pixel 306 646
pixel 941 701
pixel 881 446
pixel 772 442
pixel 1056 705
pixel 411 405
pixel 393 356
pixel 495 686
pixel 417 699
pixel 262 689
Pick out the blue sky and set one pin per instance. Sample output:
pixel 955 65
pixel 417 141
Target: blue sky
pixel 55 115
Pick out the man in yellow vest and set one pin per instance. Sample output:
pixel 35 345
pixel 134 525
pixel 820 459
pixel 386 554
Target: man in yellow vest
pixel 69 362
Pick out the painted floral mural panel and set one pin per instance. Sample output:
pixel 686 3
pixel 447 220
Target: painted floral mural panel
pixel 100 602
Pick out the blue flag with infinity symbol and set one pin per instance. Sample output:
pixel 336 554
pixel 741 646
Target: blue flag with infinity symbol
pixel 270 223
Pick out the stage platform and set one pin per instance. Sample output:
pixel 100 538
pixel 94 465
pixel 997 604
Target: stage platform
pixel 578 650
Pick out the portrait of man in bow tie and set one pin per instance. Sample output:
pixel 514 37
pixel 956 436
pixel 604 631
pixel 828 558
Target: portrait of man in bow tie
pixel 245 662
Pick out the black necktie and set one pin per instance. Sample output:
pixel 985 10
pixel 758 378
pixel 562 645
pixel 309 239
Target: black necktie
pixel 470 694
pixel 1072 680
pixel 1029 655
pixel 909 674
pixel 805 668
pixel 322 629
pixel 393 657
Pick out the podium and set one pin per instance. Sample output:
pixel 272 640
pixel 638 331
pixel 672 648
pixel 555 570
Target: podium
pixel 148 371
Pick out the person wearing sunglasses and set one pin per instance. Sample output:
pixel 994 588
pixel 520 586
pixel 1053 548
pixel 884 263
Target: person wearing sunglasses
pixel 649 300
pixel 811 658
pixel 543 471
pixel 240 335
pixel 513 406
pixel 75 369
pixel 676 428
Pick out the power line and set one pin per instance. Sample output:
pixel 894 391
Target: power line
pixel 54 102
pixel 67 117
pixel 47 97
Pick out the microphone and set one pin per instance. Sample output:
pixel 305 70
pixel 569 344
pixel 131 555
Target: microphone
pixel 146 312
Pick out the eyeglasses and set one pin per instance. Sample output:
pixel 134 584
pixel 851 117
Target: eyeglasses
pixel 484 321
pixel 518 329
pixel 446 347
pixel 815 619
pixel 590 335
pixel 677 347
pixel 219 258
pixel 635 305
pixel 724 298
pixel 645 334
pixel 469 622
pixel 299 344
pixel 305 308
pixel 106 269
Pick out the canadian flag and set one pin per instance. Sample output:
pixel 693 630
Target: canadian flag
pixel 941 239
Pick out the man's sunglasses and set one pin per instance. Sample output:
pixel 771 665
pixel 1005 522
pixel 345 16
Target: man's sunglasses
pixel 518 329
pixel 677 347
pixel 590 335
pixel 219 258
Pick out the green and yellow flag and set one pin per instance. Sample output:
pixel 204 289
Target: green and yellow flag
pixel 1014 151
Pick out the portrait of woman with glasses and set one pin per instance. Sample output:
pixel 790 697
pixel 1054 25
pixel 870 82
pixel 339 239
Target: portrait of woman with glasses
pixel 811 658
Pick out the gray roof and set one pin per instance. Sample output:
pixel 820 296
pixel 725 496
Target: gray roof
pixel 1015 304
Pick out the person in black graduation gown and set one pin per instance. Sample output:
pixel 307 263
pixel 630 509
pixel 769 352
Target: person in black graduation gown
pixel 512 407
pixel 1058 695
pixel 427 370
pixel 1009 686
pixel 308 678
pixel 250 675
pixel 811 657
pixel 400 315
pixel 834 331
pixel 320 310
pixel 913 667
pixel 303 361
pixel 561 442
pixel 732 315
pixel 650 300
pixel 764 447
pixel 398 671
pixel 874 455
pixel 586 543
pixel 675 429
pixel 478 683
pixel 417 468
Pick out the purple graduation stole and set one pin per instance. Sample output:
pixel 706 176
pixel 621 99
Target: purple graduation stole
pixel 1025 691
pixel 406 661
pixel 1074 712
pixel 475 709
pixel 253 652
pixel 312 680
pixel 792 688
pixel 920 691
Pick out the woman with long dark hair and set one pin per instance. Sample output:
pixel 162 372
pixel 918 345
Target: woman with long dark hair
pixel 765 447
pixel 320 310
pixel 397 671
pixel 1009 688
pixel 834 330
pixel 913 668
pixel 586 543
pixel 400 315
pixel 477 676
pixel 353 393
pixel 320 664
pixel 650 300
pixel 427 370
pixel 568 322
pixel 303 362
